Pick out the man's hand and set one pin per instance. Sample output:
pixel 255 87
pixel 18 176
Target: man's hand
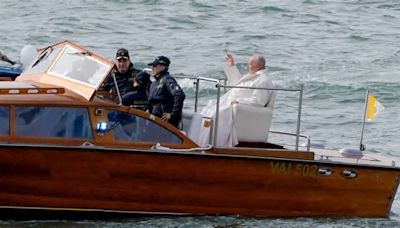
pixel 166 116
pixel 230 60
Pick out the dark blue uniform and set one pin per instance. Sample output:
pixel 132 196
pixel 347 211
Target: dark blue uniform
pixel 166 96
pixel 139 95
pixel 129 93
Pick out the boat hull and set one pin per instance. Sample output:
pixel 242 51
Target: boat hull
pixel 90 179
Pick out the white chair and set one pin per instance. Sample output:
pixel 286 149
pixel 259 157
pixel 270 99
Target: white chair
pixel 252 123
pixel 193 125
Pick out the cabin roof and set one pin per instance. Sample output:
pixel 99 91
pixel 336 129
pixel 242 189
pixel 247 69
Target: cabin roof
pixel 15 85
pixel 65 74
pixel 35 93
pixel 67 65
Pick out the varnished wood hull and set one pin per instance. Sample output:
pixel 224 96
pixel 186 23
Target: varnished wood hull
pixel 183 183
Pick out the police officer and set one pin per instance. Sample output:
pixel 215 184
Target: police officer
pixel 166 96
pixel 129 79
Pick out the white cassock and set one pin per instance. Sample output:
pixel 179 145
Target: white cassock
pixel 227 136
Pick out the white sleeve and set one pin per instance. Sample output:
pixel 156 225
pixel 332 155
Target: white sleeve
pixel 233 75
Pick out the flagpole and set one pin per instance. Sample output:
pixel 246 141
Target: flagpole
pixel 362 148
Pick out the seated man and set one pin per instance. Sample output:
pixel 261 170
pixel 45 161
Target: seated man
pixel 126 75
pixel 256 77
pixel 166 96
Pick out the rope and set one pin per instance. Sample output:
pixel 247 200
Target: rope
pixel 163 148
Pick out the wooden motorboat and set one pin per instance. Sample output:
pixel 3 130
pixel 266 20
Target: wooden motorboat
pixel 66 148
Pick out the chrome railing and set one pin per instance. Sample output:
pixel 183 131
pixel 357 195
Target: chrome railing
pixel 308 145
pixel 197 83
pixel 219 85
pixel 221 81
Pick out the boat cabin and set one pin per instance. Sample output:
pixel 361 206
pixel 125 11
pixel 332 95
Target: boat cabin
pixel 54 101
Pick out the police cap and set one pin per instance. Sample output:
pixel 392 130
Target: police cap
pixel 122 54
pixel 160 60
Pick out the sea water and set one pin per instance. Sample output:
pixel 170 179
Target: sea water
pixel 337 49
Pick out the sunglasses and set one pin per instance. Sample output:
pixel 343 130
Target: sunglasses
pixel 122 60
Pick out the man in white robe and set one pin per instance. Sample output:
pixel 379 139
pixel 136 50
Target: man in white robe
pixel 256 77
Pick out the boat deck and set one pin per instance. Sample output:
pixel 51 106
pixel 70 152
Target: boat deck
pixel 367 158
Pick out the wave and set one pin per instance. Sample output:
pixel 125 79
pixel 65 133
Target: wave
pixel 388 6
pixel 277 69
pixel 384 91
pixel 273 9
pixel 251 37
pixel 200 5
pixel 147 2
pixel 358 38
pixel 183 20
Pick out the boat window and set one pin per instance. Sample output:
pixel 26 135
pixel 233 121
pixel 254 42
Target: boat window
pixel 63 122
pixel 78 65
pixel 127 127
pixel 4 120
pixel 41 62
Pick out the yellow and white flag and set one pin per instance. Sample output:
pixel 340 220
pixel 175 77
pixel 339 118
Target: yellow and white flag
pixel 374 107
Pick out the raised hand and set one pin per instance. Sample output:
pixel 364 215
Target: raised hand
pixel 229 59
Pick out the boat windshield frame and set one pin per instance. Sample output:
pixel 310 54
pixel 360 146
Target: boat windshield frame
pixel 72 64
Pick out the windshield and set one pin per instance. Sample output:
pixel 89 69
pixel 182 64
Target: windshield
pixel 42 60
pixel 69 66
pixel 80 66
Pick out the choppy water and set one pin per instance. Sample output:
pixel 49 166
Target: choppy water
pixel 337 48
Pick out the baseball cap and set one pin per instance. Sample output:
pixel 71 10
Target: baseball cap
pixel 160 60
pixel 122 54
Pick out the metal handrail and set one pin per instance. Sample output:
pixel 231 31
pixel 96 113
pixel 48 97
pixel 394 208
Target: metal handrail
pixel 218 85
pixel 197 82
pixel 262 88
pixel 196 77
pixel 186 77
pixel 299 115
pixel 117 89
pixel 214 131
pixel 300 135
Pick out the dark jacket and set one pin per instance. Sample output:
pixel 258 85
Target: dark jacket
pixel 124 80
pixel 166 96
pixel 138 96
